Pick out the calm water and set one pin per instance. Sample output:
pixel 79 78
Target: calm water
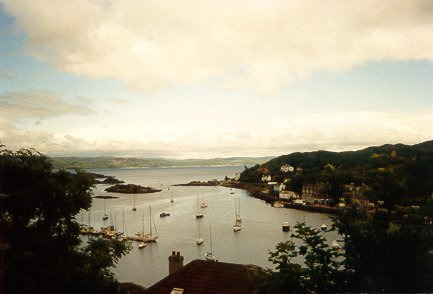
pixel 261 223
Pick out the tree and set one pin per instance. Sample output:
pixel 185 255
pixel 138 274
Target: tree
pixel 40 231
pixel 388 252
pixel 332 183
pixel 323 271
pixel 386 185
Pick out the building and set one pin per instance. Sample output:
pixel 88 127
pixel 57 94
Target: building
pixel 310 190
pixel 288 195
pixel 202 276
pixel 286 168
pixel 266 178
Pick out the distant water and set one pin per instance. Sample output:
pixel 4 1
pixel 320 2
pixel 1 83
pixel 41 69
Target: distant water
pixel 261 223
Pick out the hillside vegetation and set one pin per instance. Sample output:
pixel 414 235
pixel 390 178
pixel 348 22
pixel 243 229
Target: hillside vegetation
pixel 412 166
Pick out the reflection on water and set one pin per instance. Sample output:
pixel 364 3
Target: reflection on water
pixel 261 223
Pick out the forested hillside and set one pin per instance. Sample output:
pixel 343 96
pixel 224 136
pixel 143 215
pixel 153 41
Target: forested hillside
pixel 413 165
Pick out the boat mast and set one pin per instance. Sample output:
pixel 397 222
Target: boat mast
pixel 142 224
pixel 150 219
pixel 210 233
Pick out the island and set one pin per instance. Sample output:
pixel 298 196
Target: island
pixel 199 183
pixel 110 180
pixel 131 189
pixel 105 197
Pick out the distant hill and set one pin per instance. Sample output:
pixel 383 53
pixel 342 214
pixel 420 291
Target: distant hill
pixel 125 162
pixel 414 163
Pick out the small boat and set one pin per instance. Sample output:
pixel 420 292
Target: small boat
pixel 238 211
pixel 142 245
pixel 237 226
pixel 199 214
pixel 278 204
pixel 134 208
pixel 323 226
pixel 163 214
pixel 105 217
pixel 209 255
pixel 232 192
pixel 285 226
pixel 199 240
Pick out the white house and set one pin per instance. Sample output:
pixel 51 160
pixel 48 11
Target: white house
pixel 287 168
pixel 287 195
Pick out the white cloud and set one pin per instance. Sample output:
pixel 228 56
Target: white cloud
pixel 259 45
pixel 335 131
pixel 17 106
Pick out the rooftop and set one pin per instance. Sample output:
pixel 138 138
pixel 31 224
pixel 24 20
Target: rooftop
pixel 202 276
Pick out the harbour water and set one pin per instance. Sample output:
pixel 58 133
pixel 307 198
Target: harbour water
pixel 261 223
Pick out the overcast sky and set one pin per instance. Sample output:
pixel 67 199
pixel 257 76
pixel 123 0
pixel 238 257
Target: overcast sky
pixel 201 79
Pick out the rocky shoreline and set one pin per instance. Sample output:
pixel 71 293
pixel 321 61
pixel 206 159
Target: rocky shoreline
pixel 260 191
pixel 131 189
pixel 199 183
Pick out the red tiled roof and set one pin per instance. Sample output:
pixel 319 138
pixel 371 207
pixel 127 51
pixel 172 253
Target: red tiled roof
pixel 202 276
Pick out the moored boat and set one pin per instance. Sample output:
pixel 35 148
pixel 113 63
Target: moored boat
pixel 285 226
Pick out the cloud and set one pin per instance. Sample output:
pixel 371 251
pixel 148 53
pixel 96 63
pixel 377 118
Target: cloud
pixel 17 106
pixel 334 131
pixel 256 45
pixel 120 101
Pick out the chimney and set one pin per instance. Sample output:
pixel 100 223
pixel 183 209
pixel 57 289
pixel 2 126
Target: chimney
pixel 175 262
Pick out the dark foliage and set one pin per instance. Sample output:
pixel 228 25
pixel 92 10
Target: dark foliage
pixel 40 237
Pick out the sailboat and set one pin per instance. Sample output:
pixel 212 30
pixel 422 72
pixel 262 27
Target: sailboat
pixel 203 204
pixel 237 226
pixel 134 208
pixel 150 237
pixel 105 217
pixel 199 240
pixel 124 234
pixel 199 214
pixel 323 226
pixel 238 212
pixel 209 255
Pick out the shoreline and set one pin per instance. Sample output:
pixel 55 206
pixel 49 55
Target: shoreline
pixel 258 191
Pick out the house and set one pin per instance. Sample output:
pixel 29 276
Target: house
pixel 203 276
pixel 286 168
pixel 287 195
pixel 310 190
pixel 266 178
pixel 237 176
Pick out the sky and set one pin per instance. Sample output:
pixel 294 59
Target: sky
pixel 205 79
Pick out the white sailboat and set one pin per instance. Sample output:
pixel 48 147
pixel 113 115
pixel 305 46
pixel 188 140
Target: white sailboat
pixel 209 255
pixel 237 226
pixel 199 214
pixel 105 217
pixel 199 240
pixel 238 212
pixel 150 237
pixel 134 208
pixel 203 204
pixel 323 226
pixel 124 234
